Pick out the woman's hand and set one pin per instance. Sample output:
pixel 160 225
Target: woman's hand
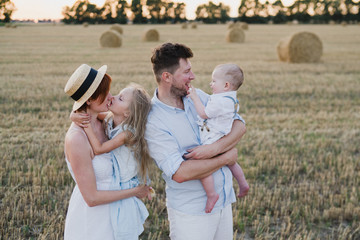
pixel 81 119
pixel 143 191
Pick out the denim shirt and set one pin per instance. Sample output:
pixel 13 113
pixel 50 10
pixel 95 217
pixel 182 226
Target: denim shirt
pixel 170 132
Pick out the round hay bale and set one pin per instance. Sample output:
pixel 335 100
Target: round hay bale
pixel 110 39
pixel 8 25
pixel 193 25
pixel 300 47
pixel 230 25
pixel 234 25
pixel 235 35
pixel 85 24
pixel 244 25
pixel 184 26
pixel 117 27
pixel 151 35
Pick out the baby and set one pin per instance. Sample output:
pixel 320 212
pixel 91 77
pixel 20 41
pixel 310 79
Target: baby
pixel 216 119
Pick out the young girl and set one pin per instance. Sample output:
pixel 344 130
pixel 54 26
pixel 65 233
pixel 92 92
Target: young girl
pixel 125 127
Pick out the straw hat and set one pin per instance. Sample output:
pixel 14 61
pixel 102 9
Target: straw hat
pixel 83 83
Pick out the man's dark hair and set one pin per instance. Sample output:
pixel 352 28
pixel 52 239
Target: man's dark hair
pixel 166 58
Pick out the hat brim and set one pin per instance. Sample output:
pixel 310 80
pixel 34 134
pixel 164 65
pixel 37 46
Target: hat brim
pixel 99 76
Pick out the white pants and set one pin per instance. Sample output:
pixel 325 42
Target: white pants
pixel 216 226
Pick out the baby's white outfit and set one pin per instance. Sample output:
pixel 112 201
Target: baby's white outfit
pixel 220 109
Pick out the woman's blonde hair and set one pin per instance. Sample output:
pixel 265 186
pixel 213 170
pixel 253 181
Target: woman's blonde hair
pixel 139 109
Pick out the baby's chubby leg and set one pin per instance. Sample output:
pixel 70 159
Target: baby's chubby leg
pixel 212 196
pixel 238 174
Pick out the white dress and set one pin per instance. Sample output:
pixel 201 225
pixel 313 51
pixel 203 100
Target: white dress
pixel 82 221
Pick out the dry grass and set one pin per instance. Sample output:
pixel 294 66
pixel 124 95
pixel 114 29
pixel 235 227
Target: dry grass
pixel 300 153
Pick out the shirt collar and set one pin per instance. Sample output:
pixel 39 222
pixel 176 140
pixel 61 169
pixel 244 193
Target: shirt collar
pixel 156 101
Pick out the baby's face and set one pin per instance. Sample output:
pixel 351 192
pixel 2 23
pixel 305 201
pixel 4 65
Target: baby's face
pixel 217 83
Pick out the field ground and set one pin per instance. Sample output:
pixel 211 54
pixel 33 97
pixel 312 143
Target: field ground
pixel 300 154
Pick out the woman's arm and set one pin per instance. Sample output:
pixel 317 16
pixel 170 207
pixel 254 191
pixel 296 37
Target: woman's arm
pixel 78 152
pixel 220 146
pixel 107 146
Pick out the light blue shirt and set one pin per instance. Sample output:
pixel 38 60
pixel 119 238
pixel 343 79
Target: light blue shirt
pixel 170 132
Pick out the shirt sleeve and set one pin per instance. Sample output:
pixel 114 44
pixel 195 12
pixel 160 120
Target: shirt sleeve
pixel 163 147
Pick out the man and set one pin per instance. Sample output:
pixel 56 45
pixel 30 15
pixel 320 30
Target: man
pixel 173 139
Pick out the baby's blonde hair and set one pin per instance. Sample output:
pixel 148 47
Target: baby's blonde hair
pixel 233 74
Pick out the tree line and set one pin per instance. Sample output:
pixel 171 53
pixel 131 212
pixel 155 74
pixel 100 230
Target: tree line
pixel 166 11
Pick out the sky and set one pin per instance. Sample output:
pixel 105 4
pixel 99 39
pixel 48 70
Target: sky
pixel 51 9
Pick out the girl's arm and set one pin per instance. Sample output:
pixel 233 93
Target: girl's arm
pixel 78 152
pixel 200 108
pixel 82 119
pixel 107 146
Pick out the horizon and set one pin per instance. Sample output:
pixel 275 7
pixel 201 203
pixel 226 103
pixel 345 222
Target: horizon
pixel 50 10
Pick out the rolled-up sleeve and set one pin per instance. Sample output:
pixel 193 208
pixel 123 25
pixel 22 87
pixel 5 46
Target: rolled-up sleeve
pixel 163 147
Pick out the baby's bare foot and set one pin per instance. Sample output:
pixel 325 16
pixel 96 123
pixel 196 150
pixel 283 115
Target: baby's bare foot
pixel 210 203
pixel 243 191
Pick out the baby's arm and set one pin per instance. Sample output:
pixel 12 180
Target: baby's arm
pixel 107 146
pixel 200 108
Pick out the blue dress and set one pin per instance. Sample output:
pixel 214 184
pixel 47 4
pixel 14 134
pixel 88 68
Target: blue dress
pixel 127 215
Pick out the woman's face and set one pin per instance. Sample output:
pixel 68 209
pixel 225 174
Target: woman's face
pixel 99 106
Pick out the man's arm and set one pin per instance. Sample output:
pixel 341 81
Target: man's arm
pixel 222 145
pixel 198 169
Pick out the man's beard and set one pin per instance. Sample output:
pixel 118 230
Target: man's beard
pixel 178 92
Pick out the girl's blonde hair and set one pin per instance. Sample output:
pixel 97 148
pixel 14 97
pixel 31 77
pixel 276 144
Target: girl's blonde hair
pixel 139 109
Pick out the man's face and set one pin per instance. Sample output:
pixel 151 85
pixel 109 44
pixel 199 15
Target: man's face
pixel 182 78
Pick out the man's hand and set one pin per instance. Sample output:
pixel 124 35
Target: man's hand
pixel 201 152
pixel 231 156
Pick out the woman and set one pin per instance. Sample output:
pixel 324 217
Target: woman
pixel 88 215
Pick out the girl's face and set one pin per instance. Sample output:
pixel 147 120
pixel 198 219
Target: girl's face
pixel 119 104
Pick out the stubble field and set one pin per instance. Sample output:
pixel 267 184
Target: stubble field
pixel 301 152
